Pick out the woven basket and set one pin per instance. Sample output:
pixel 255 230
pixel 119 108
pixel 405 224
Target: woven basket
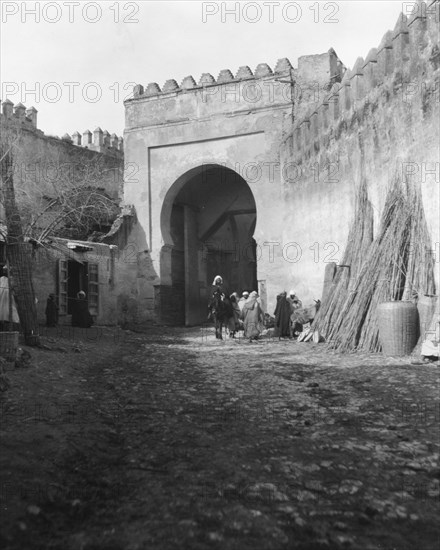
pixel 8 345
pixel 398 327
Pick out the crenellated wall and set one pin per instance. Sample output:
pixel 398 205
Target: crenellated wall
pixel 18 117
pixel 43 163
pixel 382 120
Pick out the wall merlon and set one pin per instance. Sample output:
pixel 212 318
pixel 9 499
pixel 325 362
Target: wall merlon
pixel 244 72
pixel 206 79
pixel 170 86
pixel 138 90
pixel 7 108
pixel 153 89
pixel 262 70
pixel 188 82
pixel 401 26
pixel 98 137
pixel 225 75
pixel 370 69
pixel 386 42
pixel 31 114
pixel 76 138
pixel 106 138
pixel 114 141
pixel 357 80
pixel 283 65
pixel 87 138
pixel 20 111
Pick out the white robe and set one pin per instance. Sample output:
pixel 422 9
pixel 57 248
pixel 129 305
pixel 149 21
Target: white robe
pixel 4 302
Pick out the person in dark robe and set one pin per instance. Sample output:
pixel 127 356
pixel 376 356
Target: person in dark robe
pixel 51 311
pixel 80 312
pixel 282 316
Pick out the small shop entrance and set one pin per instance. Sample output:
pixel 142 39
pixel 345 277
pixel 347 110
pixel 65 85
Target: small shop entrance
pixel 73 277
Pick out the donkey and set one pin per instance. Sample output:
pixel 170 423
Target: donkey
pixel 221 310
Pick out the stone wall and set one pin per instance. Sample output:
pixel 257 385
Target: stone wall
pixel 382 121
pixel 44 162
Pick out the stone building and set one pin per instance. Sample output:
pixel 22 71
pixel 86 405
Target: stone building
pixel 42 165
pixel 253 176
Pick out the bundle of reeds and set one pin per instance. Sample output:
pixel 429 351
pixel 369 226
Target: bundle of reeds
pixel 360 237
pixel 395 266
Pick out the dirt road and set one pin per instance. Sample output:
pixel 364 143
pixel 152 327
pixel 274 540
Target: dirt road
pixel 169 439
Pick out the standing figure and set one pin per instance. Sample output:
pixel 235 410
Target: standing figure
pixel 234 321
pixel 282 315
pixel 253 317
pixel 51 311
pixel 243 299
pixel 295 302
pixel 7 303
pixel 80 312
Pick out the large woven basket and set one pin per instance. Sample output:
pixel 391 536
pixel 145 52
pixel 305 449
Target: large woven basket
pixel 398 327
pixel 8 345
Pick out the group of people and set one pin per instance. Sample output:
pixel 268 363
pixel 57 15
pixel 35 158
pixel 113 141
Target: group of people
pixel 246 312
pixel 81 316
pixel 9 319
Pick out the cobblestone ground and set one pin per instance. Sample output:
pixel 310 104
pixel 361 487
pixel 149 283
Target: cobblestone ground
pixel 169 439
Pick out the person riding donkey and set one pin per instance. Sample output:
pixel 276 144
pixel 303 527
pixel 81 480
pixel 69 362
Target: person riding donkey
pixel 217 289
pixel 219 306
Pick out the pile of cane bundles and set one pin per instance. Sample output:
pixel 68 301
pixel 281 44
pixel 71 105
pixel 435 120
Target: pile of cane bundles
pixel 396 265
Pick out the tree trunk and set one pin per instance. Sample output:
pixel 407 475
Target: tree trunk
pixel 19 257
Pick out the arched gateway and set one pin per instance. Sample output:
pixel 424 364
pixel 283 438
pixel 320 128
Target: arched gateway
pixel 204 174
pixel 207 222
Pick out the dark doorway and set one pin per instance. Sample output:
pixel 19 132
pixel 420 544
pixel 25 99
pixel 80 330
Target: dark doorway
pixel 77 280
pixel 209 218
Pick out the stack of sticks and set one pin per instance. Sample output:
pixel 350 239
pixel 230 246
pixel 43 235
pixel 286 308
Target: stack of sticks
pixel 396 265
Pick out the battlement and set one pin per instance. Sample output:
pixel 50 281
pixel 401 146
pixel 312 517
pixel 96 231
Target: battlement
pixel 395 64
pixel 284 88
pixel 20 117
pixel 225 76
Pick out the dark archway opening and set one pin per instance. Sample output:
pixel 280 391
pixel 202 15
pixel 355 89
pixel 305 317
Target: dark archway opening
pixel 208 220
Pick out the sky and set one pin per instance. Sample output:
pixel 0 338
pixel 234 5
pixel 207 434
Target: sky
pixel 76 62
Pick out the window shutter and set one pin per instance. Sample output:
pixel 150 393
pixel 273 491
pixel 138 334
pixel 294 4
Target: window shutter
pixel 62 287
pixel 93 293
